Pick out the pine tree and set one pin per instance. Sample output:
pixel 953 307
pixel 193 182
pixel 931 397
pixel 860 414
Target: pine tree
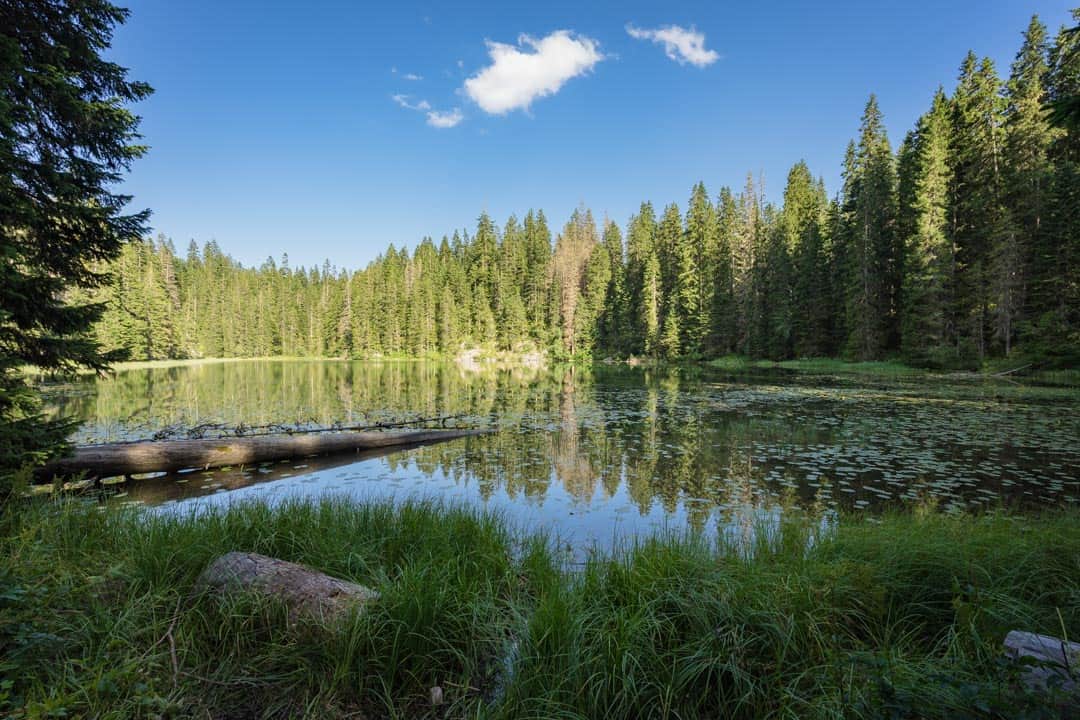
pixel 695 272
pixel 980 221
pixel 1026 179
pixel 595 285
pixel 745 247
pixel 928 325
pixel 675 259
pixel 651 299
pixel 66 137
pixel 721 339
pixel 537 288
pixel 614 322
pixel 873 215
pixel 573 248
pixel 841 224
pixel 513 323
pixel 643 292
pixel 670 337
pixel 803 230
pixel 1053 290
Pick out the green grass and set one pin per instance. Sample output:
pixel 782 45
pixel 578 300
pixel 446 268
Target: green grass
pixel 902 616
pixel 819 366
pixel 896 369
pixel 829 366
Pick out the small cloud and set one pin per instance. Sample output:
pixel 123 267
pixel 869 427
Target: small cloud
pixel 680 44
pixel 517 76
pixel 444 119
pixel 434 117
pixel 393 71
pixel 413 76
pixel 405 102
pixel 461 63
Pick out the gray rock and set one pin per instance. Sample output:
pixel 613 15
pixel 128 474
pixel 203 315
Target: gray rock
pixel 303 590
pixel 1057 661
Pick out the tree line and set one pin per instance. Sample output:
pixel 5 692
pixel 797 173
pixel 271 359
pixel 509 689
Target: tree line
pixel 961 245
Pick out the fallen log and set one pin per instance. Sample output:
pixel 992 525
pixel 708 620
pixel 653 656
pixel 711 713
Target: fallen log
pixel 109 460
pixel 303 590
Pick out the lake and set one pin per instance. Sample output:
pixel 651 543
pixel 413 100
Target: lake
pixel 596 456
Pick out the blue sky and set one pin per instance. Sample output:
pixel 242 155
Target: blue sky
pixel 275 127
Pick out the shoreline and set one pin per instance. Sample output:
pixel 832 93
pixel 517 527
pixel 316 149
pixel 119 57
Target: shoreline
pixel 797 620
pixel 477 361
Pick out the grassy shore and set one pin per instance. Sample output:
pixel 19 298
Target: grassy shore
pixel 901 616
pixel 1015 370
pixel 891 369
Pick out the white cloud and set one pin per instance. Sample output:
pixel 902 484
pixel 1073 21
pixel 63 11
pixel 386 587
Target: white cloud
pixel 516 78
pixel 680 44
pixel 435 118
pixel 413 76
pixel 405 102
pixel 448 119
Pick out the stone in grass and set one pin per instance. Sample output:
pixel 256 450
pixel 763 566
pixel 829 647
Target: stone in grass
pixel 1055 663
pixel 305 592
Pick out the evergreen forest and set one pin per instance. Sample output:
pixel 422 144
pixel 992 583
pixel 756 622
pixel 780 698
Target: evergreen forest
pixel 958 245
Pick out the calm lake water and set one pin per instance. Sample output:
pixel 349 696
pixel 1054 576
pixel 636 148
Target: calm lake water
pixel 596 456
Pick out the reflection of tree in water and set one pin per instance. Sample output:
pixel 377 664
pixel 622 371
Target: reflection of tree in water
pixel 657 435
pixel 572 466
pixel 642 451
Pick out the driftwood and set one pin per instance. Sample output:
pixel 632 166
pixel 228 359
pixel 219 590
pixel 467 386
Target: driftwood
pixel 304 591
pixel 129 458
pixel 1056 662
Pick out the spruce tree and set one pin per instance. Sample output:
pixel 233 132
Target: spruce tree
pixel 695 274
pixel 721 338
pixel 537 290
pixel 651 299
pixel 744 258
pixel 640 249
pixel 872 275
pixel 803 237
pixel 675 260
pixel 66 138
pixel 928 325
pixel 1027 180
pixel 980 221
pixel 1053 298
pixel 614 320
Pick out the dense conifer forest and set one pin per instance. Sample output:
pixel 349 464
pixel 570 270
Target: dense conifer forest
pixel 961 245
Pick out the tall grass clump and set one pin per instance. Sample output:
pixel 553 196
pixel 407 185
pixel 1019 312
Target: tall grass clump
pixel 100 618
pixel 896 616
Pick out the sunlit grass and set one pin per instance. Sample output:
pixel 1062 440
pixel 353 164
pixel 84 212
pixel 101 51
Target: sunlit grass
pixel 900 614
pixel 832 366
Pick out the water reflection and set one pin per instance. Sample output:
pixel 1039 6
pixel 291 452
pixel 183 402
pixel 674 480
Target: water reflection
pixel 596 454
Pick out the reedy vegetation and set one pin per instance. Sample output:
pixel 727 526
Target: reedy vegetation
pixel 900 616
pixel 961 246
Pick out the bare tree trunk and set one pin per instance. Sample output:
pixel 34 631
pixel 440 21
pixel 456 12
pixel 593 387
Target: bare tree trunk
pixel 171 455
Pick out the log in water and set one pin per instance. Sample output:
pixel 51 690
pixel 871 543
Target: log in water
pixel 108 460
